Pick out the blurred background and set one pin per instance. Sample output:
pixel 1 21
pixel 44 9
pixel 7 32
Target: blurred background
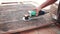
pixel 39 2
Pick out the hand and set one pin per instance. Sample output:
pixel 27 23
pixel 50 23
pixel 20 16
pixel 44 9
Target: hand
pixel 37 11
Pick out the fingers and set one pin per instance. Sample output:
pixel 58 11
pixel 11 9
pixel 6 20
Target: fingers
pixel 36 14
pixel 37 11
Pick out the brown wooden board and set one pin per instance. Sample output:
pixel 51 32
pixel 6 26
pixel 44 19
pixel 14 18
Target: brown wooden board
pixel 11 19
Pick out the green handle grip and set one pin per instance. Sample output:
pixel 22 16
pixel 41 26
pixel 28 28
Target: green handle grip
pixel 32 13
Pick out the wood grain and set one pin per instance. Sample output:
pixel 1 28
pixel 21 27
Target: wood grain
pixel 11 19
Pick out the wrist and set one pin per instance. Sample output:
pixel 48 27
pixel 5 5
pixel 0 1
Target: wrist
pixel 39 8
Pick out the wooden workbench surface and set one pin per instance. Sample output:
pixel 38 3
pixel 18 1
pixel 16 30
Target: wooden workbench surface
pixel 52 29
pixel 11 19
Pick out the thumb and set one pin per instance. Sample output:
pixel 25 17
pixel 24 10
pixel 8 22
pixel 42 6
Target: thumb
pixel 37 14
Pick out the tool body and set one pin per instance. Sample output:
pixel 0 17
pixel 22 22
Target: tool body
pixel 32 15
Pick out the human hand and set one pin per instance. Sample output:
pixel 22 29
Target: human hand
pixel 37 11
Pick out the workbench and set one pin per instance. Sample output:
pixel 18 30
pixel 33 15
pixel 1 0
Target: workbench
pixel 11 19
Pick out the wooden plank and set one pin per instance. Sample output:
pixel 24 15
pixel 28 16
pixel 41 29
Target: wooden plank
pixel 11 19
pixel 45 30
pixel 8 2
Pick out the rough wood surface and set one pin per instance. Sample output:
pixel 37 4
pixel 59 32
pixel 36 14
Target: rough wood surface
pixel 52 29
pixel 11 19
